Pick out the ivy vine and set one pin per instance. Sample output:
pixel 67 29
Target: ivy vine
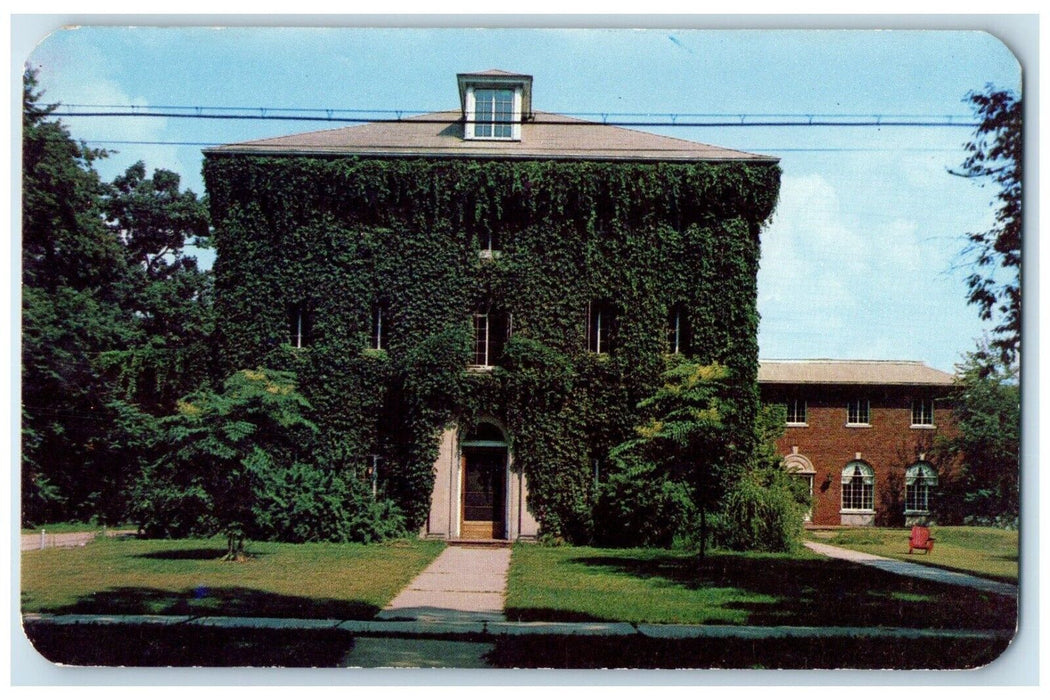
pixel 344 235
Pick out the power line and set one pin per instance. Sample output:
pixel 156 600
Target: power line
pixel 779 149
pixel 626 119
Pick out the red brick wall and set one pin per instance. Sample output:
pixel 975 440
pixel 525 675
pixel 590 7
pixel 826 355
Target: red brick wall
pixel 889 445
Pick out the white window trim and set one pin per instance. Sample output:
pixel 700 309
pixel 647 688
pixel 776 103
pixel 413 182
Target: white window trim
pixel 486 365
pixel 842 492
pixel 805 410
pixel 471 114
pixel 932 425
pixel 866 424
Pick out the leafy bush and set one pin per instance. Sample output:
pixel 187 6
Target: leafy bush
pixel 307 504
pixel 763 511
pixel 237 463
pixel 640 506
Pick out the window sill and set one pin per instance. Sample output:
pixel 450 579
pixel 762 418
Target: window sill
pixel 856 511
pixel 922 426
pixel 796 425
pixel 488 254
pixel 480 368
pixel 858 425
pixel 916 512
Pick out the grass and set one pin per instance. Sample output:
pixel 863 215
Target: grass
pixel 642 585
pixel 111 576
pixel 61 528
pixel 982 551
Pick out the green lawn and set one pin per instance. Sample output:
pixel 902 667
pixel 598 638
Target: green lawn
pixel 982 551
pixel 114 576
pixel 643 585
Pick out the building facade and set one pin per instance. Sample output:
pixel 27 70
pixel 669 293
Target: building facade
pixel 476 300
pixel 860 433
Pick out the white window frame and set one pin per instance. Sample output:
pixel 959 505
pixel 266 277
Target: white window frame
pixel 482 343
pixel 678 331
pixel 597 312
pixel 297 335
pixel 925 416
pixel 850 474
pixel 473 119
pixel 797 423
pixel 850 411
pixel 919 475
pixel 378 339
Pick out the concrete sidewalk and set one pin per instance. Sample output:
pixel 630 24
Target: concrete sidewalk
pixel 47 540
pixel 907 568
pixel 464 584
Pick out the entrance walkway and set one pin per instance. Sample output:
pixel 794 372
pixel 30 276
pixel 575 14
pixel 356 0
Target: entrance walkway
pixel 464 584
pixel 907 568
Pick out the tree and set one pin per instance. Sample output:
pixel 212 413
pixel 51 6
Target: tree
pixel 116 318
pixel 219 449
pixel 73 284
pixel 685 435
pixel 980 461
pixel 995 154
pixel 169 296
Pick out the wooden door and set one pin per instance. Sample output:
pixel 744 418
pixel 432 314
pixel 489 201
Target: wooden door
pixel 484 493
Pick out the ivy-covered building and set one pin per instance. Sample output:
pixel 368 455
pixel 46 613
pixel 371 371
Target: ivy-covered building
pixel 475 301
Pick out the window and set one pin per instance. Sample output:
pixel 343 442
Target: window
pixel 491 332
pixel 678 335
pixel 380 327
pixel 858 487
pixel 922 412
pixel 493 113
pixel 300 324
pixel 857 412
pixel 796 412
pixel 601 326
pixel 488 242
pixel 918 480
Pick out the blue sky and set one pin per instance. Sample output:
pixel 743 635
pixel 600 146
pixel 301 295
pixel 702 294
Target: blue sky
pixel 861 258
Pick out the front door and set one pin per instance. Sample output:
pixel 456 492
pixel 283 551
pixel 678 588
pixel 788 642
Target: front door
pixel 484 487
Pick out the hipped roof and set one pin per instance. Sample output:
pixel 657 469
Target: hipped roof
pixel 440 134
pixel 869 372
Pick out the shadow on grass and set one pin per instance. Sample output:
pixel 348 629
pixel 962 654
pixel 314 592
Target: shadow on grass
pixel 807 592
pixel 232 602
pixel 201 554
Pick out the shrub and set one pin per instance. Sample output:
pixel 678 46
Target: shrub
pixel 764 511
pixel 638 506
pixel 306 504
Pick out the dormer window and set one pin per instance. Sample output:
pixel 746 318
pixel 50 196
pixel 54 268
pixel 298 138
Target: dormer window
pixel 493 110
pixel 494 104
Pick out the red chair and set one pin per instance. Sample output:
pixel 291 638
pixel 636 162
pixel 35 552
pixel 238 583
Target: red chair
pixel 920 539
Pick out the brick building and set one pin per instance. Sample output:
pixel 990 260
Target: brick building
pixel 860 432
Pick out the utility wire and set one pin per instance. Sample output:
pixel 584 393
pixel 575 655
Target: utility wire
pixel 630 119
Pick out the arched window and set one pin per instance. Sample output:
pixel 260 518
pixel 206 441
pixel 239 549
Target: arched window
pixel 858 486
pixel 918 480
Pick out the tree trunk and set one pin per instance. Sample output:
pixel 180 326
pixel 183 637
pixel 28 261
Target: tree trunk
pixel 703 532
